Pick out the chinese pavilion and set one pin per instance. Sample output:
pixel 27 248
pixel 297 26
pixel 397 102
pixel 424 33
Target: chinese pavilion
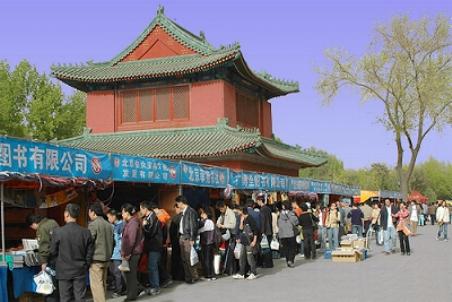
pixel 170 94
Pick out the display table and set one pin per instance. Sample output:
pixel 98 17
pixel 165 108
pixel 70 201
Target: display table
pixel 21 279
pixel 3 283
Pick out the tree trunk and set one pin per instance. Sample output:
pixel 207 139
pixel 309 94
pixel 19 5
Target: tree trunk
pixel 402 179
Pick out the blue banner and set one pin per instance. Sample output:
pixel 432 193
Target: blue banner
pixel 250 181
pixel 344 190
pixel 145 169
pixel 24 156
pixel 316 186
pixel 203 175
pixel 278 183
pixel 299 184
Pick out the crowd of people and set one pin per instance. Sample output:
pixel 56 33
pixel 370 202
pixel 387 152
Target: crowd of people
pixel 140 250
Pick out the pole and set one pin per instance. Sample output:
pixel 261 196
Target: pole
pixel 2 213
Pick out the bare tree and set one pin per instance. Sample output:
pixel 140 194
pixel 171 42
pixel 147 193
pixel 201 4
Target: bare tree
pixel 408 68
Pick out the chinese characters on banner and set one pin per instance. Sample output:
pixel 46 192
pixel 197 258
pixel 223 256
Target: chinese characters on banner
pixel 204 176
pixel 298 184
pixel 144 169
pixel 24 156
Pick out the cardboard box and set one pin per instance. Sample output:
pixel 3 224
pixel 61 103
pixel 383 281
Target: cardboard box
pixel 345 256
pixel 359 244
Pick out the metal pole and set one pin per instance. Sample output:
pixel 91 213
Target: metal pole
pixel 2 212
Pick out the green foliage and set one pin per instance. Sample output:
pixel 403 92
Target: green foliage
pixel 33 106
pixel 332 170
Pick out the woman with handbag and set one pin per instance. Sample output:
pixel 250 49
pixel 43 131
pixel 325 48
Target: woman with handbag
pixel 287 224
pixel 402 215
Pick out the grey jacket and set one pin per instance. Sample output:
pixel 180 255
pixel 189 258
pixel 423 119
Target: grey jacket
pixel 286 223
pixel 102 233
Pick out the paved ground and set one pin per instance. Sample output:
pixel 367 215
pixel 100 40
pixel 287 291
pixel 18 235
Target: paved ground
pixel 423 276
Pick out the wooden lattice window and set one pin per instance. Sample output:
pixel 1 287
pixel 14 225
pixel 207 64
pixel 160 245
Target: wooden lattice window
pixel 146 108
pixel 129 109
pixel 180 101
pixel 162 104
pixel 155 104
pixel 247 110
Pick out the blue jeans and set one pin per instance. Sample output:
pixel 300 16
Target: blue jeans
pixel 442 230
pixel 153 268
pixel 322 236
pixel 358 230
pixel 333 238
pixel 389 237
pixel 302 247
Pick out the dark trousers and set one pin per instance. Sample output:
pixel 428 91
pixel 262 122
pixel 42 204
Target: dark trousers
pixel 207 259
pixel 163 272
pixel 133 287
pixel 247 257
pixel 230 266
pixel 73 290
pixel 432 219
pixel 366 227
pixel 309 246
pixel 118 282
pixel 191 273
pixel 404 242
pixel 289 248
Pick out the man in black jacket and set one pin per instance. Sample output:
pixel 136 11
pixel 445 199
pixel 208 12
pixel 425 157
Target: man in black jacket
pixel 388 223
pixel 266 230
pixel 73 248
pixel 188 232
pixel 153 244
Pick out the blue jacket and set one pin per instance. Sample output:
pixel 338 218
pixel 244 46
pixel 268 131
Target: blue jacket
pixel 117 234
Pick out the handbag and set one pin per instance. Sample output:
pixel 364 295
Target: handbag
pixel 44 284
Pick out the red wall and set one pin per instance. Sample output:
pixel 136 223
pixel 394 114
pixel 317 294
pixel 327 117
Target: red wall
pixel 209 101
pixel 157 44
pixel 230 108
pixel 100 111
pixel 266 119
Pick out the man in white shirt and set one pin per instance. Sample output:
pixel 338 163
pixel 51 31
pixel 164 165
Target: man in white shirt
pixel 443 219
pixel 387 223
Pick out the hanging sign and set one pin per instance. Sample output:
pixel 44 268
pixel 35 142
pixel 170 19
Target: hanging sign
pixel 23 156
pixel 145 169
pixel 203 175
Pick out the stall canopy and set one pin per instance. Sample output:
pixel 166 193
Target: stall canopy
pixel 418 197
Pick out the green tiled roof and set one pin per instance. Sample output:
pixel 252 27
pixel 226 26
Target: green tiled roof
pixel 186 143
pixel 149 68
pixel 206 58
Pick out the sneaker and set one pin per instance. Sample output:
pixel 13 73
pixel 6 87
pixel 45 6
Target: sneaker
pixel 302 255
pixel 167 283
pixel 446 240
pixel 212 279
pixel 290 264
pixel 251 277
pixel 117 294
pixel 238 276
pixel 154 292
pixel 437 238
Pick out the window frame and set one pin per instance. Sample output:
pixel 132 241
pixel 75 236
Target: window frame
pixel 138 123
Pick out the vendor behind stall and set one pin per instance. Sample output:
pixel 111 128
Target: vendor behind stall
pixel 44 228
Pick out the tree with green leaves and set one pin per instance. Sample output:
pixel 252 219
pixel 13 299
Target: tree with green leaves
pixel 408 69
pixel 33 106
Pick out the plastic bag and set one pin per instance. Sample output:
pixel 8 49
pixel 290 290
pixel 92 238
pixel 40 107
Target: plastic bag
pixel 238 250
pixel 194 259
pixel 264 243
pixel 274 245
pixel 216 264
pixel 44 284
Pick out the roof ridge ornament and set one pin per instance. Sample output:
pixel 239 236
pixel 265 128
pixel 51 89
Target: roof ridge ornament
pixel 160 10
pixel 202 35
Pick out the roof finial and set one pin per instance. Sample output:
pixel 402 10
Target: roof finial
pixel 160 10
pixel 202 35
